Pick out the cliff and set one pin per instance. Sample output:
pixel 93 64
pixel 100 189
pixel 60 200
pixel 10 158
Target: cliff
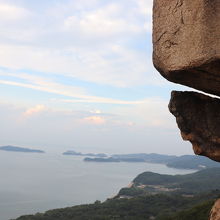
pixel 186 50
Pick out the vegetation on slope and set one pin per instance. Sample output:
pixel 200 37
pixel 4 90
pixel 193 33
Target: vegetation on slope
pixel 198 212
pixel 138 208
pixel 148 183
pixel 142 205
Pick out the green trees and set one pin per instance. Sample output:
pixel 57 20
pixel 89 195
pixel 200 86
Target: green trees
pixel 193 201
pixel 161 206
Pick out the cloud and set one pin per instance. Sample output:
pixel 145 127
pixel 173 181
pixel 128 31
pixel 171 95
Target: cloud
pixel 59 89
pixel 97 120
pixel 56 130
pixel 59 45
pixel 34 110
pixel 101 100
pixel 95 42
pixel 10 12
pixel 46 84
pixel 39 87
pixel 152 113
pixel 114 65
pixel 145 7
pixel 102 22
pixel 96 111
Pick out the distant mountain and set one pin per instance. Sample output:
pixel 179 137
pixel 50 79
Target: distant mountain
pixel 179 162
pixel 74 153
pixel 20 149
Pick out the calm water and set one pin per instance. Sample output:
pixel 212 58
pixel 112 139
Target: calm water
pixel 33 183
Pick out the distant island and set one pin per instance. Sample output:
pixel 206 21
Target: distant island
pixel 74 153
pixel 103 160
pixel 178 162
pixel 20 149
pixel 140 157
pixel 114 159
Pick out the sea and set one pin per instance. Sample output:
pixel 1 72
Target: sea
pixel 31 182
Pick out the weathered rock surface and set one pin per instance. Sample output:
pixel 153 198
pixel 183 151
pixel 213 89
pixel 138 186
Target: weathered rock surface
pixel 186 41
pixel 198 118
pixel 215 212
pixel 186 50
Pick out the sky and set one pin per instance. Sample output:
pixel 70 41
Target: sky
pixel 78 75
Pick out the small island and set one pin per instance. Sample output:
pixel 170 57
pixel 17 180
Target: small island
pixel 20 149
pixel 98 159
pixel 74 153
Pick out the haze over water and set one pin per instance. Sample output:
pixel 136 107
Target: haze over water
pixel 33 183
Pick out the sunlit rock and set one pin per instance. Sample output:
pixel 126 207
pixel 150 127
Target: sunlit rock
pixel 215 212
pixel 186 42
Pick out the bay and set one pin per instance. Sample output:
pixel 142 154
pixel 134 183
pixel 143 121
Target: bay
pixel 31 183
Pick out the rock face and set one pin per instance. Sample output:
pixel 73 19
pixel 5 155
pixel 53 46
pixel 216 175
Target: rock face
pixel 215 212
pixel 186 50
pixel 186 41
pixel 199 121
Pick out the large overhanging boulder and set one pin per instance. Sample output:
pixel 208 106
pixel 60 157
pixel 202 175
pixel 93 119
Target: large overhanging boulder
pixel 198 119
pixel 186 50
pixel 186 41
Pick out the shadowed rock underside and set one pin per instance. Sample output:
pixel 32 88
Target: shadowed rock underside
pixel 198 121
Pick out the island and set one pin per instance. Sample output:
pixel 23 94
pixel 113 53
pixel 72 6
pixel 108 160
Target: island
pixel 20 149
pixel 179 162
pixel 74 153
pixel 98 159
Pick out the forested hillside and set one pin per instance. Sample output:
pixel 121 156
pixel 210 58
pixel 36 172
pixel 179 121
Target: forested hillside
pixel 194 197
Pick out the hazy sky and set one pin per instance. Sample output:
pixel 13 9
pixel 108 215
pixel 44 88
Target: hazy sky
pixel 78 74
